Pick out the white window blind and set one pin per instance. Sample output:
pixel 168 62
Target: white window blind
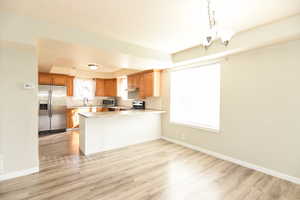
pixel 84 88
pixel 195 96
pixel 122 87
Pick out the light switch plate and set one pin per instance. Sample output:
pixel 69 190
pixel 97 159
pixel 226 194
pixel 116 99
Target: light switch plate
pixel 29 86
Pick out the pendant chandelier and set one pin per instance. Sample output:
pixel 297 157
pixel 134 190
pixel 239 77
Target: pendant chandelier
pixel 215 32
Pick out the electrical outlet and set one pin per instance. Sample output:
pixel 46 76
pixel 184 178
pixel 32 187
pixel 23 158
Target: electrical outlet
pixel 182 136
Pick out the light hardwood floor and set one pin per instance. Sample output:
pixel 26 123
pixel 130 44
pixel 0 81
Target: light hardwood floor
pixel 153 170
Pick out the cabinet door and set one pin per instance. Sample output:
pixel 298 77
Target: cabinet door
pixel 135 81
pixel 99 87
pixel 99 109
pixel 110 87
pixel 70 88
pixel 148 84
pixel 141 86
pixel 59 79
pixel 130 82
pixel 45 79
pixel 69 117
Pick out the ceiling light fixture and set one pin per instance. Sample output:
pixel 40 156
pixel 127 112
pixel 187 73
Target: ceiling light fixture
pixel 93 66
pixel 214 32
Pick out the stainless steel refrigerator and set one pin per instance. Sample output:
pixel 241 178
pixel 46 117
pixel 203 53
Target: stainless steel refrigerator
pixel 52 109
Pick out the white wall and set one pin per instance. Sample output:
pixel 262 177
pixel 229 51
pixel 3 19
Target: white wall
pixel 24 29
pixel 260 109
pixel 269 34
pixel 18 108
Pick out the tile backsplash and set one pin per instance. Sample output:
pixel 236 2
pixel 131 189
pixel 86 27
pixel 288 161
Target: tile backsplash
pixel 151 102
pixel 73 101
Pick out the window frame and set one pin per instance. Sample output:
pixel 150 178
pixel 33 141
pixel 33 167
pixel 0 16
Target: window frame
pixel 93 88
pixel 197 125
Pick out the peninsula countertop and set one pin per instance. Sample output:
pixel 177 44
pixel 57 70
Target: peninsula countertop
pixel 99 106
pixel 119 113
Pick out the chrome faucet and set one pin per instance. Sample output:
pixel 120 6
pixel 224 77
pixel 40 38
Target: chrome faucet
pixel 85 101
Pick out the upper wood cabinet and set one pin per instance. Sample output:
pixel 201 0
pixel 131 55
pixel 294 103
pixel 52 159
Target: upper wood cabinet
pixel 110 87
pixel 45 79
pixel 70 85
pixel 148 83
pixel 57 79
pixel 99 87
pixel 106 87
pixel 134 81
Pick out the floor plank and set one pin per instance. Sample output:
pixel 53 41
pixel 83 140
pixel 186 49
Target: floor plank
pixel 157 170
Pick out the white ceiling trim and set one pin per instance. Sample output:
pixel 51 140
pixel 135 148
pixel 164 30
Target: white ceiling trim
pixel 280 31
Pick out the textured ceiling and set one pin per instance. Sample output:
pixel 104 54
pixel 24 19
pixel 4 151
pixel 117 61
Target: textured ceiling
pixel 165 25
pixel 72 56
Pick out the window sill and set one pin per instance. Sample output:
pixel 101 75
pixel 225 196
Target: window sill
pixel 196 126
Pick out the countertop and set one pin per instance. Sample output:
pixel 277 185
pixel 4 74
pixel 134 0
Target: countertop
pixel 118 113
pixel 99 106
pixel 91 106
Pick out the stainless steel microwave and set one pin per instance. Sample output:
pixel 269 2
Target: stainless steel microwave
pixel 108 102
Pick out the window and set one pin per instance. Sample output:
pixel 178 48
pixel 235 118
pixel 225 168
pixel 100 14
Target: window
pixel 122 87
pixel 84 88
pixel 195 96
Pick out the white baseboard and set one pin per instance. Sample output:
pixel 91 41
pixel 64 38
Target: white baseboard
pixel 18 173
pixel 236 161
pixel 72 129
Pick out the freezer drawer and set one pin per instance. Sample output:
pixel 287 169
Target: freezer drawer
pixel 44 123
pixel 58 121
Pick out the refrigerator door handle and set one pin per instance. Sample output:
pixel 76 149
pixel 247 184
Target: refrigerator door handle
pixel 50 103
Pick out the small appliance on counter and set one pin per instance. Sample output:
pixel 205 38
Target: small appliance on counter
pixel 111 102
pixel 138 104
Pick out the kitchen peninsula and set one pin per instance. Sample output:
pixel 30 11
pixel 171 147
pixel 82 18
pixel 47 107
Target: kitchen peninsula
pixel 102 131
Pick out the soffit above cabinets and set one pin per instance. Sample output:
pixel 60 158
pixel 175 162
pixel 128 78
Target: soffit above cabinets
pixel 72 59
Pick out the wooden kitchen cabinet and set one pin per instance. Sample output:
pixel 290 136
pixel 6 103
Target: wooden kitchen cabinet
pixel 45 79
pixel 73 116
pixel 148 83
pixel 133 81
pixel 99 87
pixel 70 115
pixel 141 87
pixel 130 81
pixel 106 87
pixel 70 85
pixel 57 79
pixel 110 87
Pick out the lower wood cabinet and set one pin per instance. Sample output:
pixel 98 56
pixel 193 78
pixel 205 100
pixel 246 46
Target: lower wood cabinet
pixel 73 116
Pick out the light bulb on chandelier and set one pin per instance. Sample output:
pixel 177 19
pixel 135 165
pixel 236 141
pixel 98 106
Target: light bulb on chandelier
pixel 215 32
